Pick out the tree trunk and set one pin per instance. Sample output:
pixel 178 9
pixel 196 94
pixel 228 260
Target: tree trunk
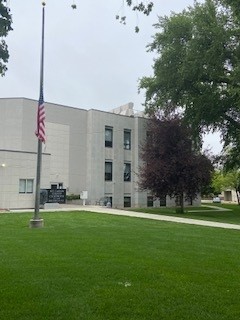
pixel 180 203
pixel 238 196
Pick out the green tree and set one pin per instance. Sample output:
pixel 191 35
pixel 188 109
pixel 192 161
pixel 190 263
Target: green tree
pixel 5 27
pixel 197 68
pixel 218 182
pixel 223 180
pixel 232 181
pixel 144 7
pixel 171 166
pixel 230 158
pixel 230 161
pixel 234 5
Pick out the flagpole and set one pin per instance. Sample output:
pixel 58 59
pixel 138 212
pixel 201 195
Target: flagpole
pixel 36 221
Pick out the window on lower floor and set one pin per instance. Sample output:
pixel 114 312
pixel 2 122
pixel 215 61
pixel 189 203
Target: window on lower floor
pixel 150 201
pixel 127 171
pixel 108 171
pixel 163 201
pixel 190 201
pixel 109 199
pixel 127 202
pixel 26 186
pixel 57 185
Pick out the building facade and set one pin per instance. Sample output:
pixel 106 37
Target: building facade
pixel 229 195
pixel 86 150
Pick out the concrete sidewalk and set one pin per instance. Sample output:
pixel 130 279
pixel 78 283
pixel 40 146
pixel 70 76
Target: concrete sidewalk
pixel 161 217
pixel 118 212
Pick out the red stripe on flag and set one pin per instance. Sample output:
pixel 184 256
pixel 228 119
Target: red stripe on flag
pixel 40 132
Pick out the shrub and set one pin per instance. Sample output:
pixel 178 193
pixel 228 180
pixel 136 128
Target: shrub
pixel 73 196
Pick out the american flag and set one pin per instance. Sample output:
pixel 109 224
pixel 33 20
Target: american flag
pixel 40 132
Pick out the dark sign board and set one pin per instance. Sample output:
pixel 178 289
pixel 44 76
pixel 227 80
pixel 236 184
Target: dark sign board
pixel 56 195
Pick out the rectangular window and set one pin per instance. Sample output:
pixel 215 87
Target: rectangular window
pixel 149 136
pixel 190 201
pixel 108 171
pixel 26 186
pixel 22 185
pixel 57 185
pixel 163 202
pixel 177 201
pixel 108 200
pixel 127 139
pixel 127 202
pixel 150 201
pixel 127 171
pixel 108 137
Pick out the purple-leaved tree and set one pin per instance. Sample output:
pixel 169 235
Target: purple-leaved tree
pixel 170 164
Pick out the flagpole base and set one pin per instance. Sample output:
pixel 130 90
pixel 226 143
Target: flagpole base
pixel 36 223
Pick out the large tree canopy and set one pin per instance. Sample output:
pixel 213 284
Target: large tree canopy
pixel 197 67
pixel 5 27
pixel 234 4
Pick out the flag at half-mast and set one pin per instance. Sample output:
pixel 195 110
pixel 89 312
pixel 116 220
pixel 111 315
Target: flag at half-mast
pixel 40 131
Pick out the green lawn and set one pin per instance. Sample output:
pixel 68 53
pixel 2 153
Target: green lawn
pixel 232 216
pixel 91 266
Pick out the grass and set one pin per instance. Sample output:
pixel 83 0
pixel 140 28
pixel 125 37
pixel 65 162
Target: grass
pixel 201 213
pixel 99 267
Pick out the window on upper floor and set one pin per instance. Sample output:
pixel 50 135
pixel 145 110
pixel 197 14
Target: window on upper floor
pixel 25 185
pixel 127 171
pixel 127 139
pixel 108 137
pixel 108 171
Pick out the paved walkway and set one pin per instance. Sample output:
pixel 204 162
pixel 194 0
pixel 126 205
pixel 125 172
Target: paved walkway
pixel 118 212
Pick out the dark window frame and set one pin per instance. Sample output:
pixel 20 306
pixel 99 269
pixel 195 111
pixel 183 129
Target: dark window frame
pixel 163 201
pixel 149 201
pixel 127 139
pixel 127 173
pixel 108 174
pixel 127 202
pixel 109 143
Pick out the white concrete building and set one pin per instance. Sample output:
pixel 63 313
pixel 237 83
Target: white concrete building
pixel 87 150
pixel 229 195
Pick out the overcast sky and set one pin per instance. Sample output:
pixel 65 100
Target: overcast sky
pixel 91 60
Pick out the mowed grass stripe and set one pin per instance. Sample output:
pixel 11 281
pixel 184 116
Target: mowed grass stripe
pixel 231 215
pixel 93 266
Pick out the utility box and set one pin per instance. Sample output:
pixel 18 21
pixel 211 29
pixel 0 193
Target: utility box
pixel 84 196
